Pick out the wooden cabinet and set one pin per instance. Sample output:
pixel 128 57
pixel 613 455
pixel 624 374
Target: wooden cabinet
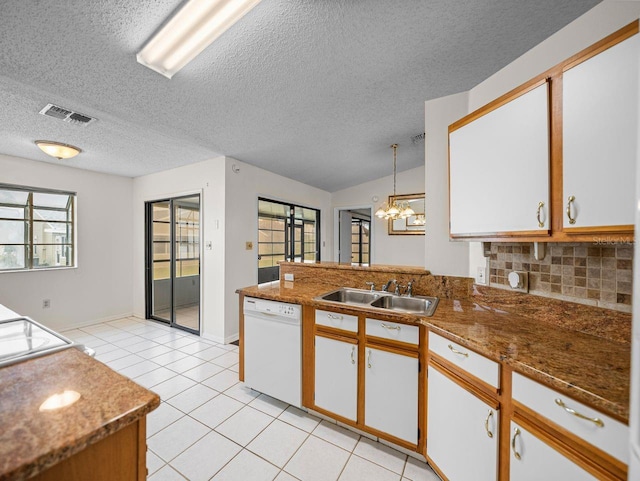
pixel 499 167
pixel 366 374
pixel 599 137
pixel 532 460
pixel 564 434
pixel 462 431
pixel 391 392
pixel 553 160
pixel 121 456
pixel 336 376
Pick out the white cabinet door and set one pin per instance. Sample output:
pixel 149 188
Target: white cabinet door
pixel 537 460
pixel 336 377
pixel 600 135
pixel 391 393
pixel 499 168
pixel 462 431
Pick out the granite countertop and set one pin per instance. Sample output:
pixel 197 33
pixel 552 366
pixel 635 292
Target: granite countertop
pixel 32 440
pixel 591 369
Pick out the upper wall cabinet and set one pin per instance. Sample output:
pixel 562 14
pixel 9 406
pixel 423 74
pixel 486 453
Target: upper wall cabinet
pixel 599 138
pixel 499 167
pixel 553 160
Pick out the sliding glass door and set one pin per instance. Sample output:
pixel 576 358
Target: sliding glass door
pixel 173 261
pixel 286 232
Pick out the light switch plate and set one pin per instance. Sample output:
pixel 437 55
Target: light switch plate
pixel 481 276
pixel 288 276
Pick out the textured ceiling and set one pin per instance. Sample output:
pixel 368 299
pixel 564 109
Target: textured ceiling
pixel 315 90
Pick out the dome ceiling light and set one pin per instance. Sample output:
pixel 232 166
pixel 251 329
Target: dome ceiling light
pixel 57 149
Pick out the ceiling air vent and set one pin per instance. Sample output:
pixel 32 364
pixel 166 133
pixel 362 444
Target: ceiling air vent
pixel 66 115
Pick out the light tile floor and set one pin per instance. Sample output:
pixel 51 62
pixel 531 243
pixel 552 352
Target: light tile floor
pixel 209 426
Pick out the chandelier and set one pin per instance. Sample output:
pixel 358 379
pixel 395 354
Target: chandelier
pixel 393 209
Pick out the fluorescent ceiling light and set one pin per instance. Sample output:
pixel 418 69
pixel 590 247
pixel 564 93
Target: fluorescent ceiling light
pixel 192 29
pixel 57 149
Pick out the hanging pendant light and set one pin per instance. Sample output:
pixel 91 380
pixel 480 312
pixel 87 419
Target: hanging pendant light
pixel 394 210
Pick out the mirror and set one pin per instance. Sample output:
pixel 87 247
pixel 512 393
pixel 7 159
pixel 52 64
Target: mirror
pixel 413 225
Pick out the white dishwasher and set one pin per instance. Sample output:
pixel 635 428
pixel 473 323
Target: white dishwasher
pixel 272 349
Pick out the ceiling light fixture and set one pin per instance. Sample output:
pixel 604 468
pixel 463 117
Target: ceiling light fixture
pixel 393 209
pixel 58 150
pixel 192 29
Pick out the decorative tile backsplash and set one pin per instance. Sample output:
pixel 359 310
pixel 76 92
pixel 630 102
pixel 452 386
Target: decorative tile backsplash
pixel 578 272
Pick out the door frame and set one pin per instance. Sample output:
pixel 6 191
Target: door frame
pixel 148 255
pixel 336 229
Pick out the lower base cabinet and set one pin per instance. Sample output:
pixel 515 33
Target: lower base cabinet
pixel 391 393
pixel 462 431
pixel 533 460
pixel 336 376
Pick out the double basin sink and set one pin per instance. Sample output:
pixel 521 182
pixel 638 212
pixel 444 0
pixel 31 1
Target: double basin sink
pixel 418 305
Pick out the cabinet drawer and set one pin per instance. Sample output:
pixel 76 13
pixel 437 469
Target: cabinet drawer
pixel 467 360
pixel 393 331
pixel 346 322
pixel 612 436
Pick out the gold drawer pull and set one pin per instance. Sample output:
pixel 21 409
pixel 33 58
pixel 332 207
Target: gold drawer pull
pixel 486 424
pixel 453 350
pixel 597 421
pixel 516 433
pixel 540 206
pixel 572 220
pixel 335 317
pixel 392 328
pixel 369 359
pixel 353 351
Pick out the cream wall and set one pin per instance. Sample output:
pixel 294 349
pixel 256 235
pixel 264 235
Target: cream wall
pixel 229 216
pixel 205 178
pixel 242 191
pixel 405 250
pixel 100 288
pixel 441 255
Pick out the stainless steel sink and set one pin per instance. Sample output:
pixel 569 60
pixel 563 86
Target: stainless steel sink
pixel 348 295
pixel 419 305
pixel 424 306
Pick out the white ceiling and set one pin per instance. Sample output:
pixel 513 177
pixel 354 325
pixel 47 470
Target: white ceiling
pixel 315 90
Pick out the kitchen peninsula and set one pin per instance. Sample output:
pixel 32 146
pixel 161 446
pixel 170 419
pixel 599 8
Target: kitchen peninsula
pixel 528 342
pixel 100 436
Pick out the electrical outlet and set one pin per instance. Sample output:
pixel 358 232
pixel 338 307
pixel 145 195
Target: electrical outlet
pixel 481 276
pixel 288 276
pixel 46 303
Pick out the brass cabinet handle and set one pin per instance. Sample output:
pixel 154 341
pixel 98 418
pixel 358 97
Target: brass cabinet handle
pixel 453 350
pixel 335 317
pixel 396 328
pixel 572 220
pixel 516 433
pixel 369 359
pixel 486 424
pixel 597 421
pixel 353 351
pixel 540 206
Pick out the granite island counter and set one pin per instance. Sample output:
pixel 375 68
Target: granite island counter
pixel 582 351
pixel 100 436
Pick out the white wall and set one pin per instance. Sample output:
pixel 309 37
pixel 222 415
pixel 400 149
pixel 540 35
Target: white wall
pixel 442 256
pixel 100 288
pixel 229 216
pixel 242 191
pixel 205 178
pixel 407 250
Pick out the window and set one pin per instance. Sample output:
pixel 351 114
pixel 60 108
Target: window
pixel 285 232
pixel 37 228
pixel 360 242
